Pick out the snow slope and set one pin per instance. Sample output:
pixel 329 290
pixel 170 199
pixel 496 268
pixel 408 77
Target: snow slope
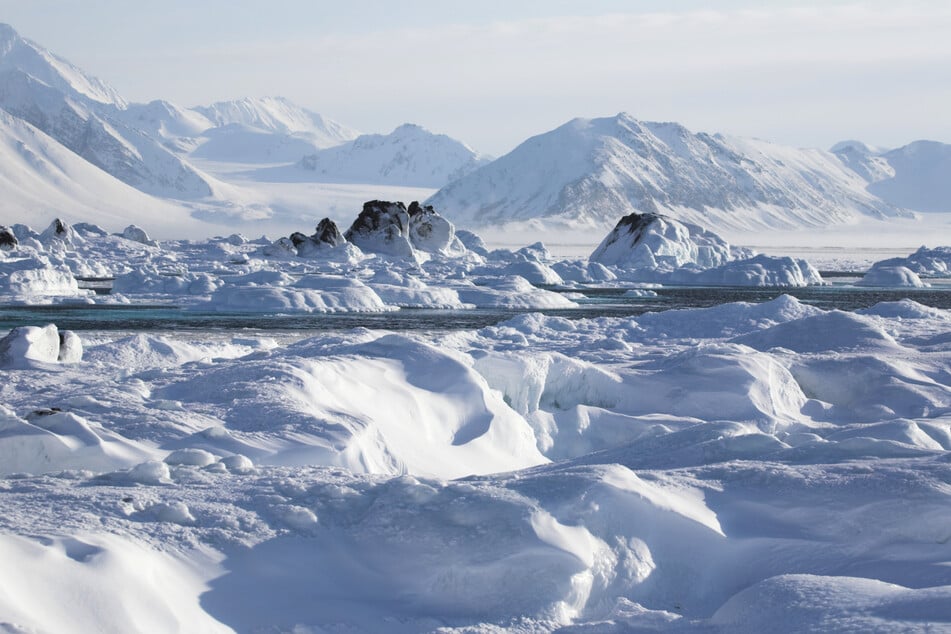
pixel 41 180
pixel 589 172
pixel 52 95
pixel 277 114
pixel 17 53
pixel 914 176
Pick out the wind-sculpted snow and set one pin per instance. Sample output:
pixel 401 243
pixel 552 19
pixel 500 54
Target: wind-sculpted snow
pixel 738 468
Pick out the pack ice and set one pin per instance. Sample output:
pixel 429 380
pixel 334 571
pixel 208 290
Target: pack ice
pixel 740 468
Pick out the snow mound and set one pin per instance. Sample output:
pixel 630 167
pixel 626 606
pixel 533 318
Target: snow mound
pixel 889 276
pixel 51 441
pixel 36 279
pixel 311 293
pixel 812 603
pixel 25 344
pixel 149 280
pixel 832 331
pixel 513 292
pixel 923 262
pixel 655 248
pixel 388 406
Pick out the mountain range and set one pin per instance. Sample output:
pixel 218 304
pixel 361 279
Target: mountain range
pixel 73 145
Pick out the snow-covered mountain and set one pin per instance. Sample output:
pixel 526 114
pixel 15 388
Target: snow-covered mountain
pixel 410 155
pixel 277 114
pixel 84 114
pixel 589 172
pixel 17 53
pixel 916 176
pixel 164 120
pixel 40 179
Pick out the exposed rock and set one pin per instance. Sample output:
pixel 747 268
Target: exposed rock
pixel 328 233
pixel 297 239
pixel 8 241
pixel 58 231
pixel 382 227
pixel 282 247
pixel 430 232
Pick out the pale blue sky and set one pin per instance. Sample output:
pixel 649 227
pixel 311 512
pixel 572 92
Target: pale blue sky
pixel 493 73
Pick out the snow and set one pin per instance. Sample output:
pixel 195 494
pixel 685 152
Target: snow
pixel 279 115
pixel 410 155
pixel 900 276
pixel 912 176
pixel 743 467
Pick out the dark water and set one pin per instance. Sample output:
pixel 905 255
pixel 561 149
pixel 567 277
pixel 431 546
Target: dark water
pixel 598 303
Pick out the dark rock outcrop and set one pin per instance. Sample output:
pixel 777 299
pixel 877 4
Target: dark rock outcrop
pixel 382 227
pixel 328 233
pixel 8 241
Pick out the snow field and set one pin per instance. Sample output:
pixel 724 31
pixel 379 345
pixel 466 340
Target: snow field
pixel 714 468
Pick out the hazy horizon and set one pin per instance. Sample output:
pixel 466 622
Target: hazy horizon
pixel 494 75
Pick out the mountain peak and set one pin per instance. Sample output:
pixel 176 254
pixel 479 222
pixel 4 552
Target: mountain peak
pixel 20 54
pixel 857 147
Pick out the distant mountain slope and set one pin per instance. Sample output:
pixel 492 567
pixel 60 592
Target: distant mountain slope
pixel 410 155
pixel 590 172
pixel 41 180
pixel 164 120
pixel 277 114
pixel 85 115
pixel 27 56
pixel 916 176
pixel 239 143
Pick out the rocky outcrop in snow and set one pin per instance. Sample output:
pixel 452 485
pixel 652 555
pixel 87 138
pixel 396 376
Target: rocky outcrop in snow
pixel 382 227
pixel 655 248
pixel 8 241
pixel 430 232
pixel 658 242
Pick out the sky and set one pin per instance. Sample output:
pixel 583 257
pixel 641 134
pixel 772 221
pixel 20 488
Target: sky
pixel 493 73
